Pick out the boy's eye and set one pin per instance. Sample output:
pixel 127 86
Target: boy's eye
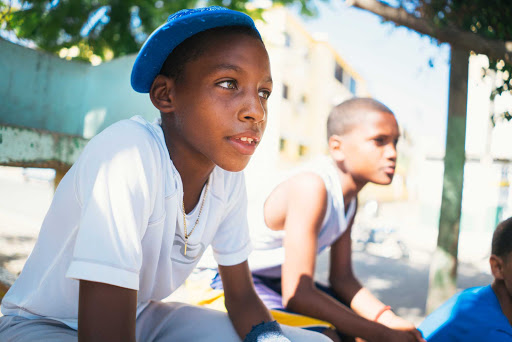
pixel 228 84
pixel 379 141
pixel 264 94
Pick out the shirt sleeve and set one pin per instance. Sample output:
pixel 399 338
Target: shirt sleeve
pixel 440 323
pixel 114 183
pixel 231 244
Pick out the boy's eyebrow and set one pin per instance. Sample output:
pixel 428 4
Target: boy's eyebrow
pixel 382 135
pixel 233 67
pixel 226 67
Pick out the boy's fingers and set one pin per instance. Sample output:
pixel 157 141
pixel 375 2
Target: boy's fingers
pixel 418 335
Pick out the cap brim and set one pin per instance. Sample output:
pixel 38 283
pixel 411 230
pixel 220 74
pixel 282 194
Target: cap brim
pixel 164 39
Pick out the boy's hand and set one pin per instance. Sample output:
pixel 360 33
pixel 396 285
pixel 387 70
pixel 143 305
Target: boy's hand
pixel 393 321
pixel 397 323
pixel 412 335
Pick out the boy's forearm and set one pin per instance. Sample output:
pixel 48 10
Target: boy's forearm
pixel 365 304
pixel 360 299
pixel 346 288
pixel 246 313
pixel 319 305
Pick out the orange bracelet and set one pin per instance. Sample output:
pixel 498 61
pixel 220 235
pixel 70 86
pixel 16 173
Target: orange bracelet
pixel 384 309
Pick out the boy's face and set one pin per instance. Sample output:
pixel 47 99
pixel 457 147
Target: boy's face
pixel 220 105
pixel 369 149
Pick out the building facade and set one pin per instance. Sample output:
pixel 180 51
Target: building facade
pixel 310 77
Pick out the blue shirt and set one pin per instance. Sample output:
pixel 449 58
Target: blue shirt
pixel 473 315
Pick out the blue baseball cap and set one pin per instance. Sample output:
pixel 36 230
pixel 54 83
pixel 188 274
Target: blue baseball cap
pixel 179 26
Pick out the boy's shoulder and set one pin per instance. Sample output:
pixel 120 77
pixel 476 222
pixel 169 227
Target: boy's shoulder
pixel 320 166
pixel 470 302
pixel 131 129
pixel 126 135
pixel 475 307
pixel 127 148
pixel 471 298
pixel 321 171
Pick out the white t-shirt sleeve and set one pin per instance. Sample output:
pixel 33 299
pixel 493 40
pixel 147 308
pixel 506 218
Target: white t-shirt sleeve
pixel 114 184
pixel 231 244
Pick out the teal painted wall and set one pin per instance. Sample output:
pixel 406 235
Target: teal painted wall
pixel 110 96
pixel 40 90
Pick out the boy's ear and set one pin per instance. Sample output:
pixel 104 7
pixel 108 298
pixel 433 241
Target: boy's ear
pixel 335 148
pixel 161 93
pixel 496 267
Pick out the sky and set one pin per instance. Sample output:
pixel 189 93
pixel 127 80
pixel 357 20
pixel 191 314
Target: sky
pixel 404 70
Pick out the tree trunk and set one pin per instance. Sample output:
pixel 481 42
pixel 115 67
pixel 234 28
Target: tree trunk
pixel 443 270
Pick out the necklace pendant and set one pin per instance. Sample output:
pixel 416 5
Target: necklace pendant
pixel 186 246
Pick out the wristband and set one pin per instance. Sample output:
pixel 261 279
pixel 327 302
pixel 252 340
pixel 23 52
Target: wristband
pixel 381 311
pixel 266 332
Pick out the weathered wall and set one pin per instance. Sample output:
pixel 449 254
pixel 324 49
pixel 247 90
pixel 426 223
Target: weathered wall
pixel 110 97
pixel 42 91
pixel 39 90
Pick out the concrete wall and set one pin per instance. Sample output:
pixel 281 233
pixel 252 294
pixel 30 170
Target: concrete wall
pixel 42 91
pixel 111 97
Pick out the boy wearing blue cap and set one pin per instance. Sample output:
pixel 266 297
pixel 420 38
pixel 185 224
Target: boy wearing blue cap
pixel 134 214
pixel 481 313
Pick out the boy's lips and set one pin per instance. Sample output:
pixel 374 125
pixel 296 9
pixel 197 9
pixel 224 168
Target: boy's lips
pixel 390 170
pixel 245 143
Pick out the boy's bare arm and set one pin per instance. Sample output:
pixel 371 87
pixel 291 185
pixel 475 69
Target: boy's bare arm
pixel 106 313
pixel 347 287
pixel 245 309
pixel 307 200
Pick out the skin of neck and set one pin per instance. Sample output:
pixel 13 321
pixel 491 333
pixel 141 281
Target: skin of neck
pixel 194 169
pixel 504 298
pixel 349 185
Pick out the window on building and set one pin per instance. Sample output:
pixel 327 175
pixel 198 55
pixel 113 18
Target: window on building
pixel 285 91
pixel 353 86
pixel 282 144
pixel 303 150
pixel 287 40
pixel 338 73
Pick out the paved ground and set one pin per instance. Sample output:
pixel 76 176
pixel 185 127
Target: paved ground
pixel 401 283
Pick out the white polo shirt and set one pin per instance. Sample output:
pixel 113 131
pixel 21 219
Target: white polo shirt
pixel 116 218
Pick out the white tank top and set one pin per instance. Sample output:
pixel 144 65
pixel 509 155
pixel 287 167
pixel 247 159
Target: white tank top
pixel 268 254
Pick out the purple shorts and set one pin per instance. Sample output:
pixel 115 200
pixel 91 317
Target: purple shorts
pixel 269 291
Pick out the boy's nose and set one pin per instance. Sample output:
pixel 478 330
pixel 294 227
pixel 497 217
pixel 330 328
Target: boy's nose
pixel 391 152
pixel 253 110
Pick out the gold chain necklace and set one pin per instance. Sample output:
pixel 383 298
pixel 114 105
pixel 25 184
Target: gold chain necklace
pixel 187 235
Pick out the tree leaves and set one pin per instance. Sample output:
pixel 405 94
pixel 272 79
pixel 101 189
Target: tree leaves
pixel 104 28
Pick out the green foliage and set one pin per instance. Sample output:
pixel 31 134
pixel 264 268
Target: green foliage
pixel 491 19
pixel 54 25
